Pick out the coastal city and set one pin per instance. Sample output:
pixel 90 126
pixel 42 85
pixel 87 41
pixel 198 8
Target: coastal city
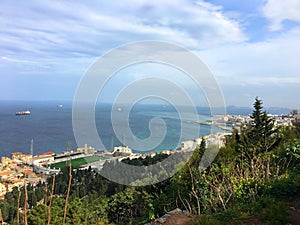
pixel 27 168
pixel 144 112
pixel 229 122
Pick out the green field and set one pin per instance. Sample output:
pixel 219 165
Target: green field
pixel 77 163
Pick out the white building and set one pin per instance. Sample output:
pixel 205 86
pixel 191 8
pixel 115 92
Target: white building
pixel 86 149
pixel 2 190
pixel 122 149
pixel 188 145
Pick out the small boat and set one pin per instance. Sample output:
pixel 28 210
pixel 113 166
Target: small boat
pixel 207 122
pixel 23 113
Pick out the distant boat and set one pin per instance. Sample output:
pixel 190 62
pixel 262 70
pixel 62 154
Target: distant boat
pixel 23 113
pixel 207 122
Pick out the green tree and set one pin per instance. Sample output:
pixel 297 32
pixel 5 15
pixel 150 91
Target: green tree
pixel 128 204
pixel 198 154
pixel 260 136
pixel 57 211
pixel 38 215
pixel 4 206
pixel 32 199
pixel 75 212
pixel 296 124
pixel 263 132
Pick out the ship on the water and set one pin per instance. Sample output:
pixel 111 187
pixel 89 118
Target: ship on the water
pixel 23 113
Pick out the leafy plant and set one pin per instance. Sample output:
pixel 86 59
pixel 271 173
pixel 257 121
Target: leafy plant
pixel 275 214
pixel 205 220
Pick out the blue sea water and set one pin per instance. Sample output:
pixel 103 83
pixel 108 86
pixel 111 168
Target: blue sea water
pixel 51 126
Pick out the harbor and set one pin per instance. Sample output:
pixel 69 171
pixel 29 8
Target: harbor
pixel 30 168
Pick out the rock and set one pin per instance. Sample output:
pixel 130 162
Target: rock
pixel 174 217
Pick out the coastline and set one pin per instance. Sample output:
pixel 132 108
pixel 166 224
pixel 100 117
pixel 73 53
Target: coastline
pixel 51 126
pixel 22 167
pixel 35 169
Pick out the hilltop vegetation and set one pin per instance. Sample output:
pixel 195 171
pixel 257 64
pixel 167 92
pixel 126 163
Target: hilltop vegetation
pixel 258 168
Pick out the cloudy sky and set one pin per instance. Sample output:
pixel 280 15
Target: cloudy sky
pixel 252 46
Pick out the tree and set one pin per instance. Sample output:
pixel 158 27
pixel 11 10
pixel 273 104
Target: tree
pixel 37 215
pixel 128 204
pixel 198 154
pixel 4 206
pixel 296 124
pixel 75 213
pixel 263 130
pixel 32 200
pixel 257 113
pixel 260 136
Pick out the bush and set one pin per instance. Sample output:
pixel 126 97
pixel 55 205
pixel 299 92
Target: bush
pixel 284 187
pixel 205 220
pixel 275 214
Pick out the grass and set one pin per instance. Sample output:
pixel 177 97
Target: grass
pixel 77 163
pixel 205 220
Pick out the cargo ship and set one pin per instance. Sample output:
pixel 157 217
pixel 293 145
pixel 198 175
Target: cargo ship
pixel 23 113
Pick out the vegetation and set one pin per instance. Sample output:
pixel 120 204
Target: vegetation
pixel 258 168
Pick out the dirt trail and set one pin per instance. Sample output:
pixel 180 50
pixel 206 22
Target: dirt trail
pixel 294 211
pixel 178 217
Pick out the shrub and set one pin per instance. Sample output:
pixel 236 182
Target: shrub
pixel 275 214
pixel 205 220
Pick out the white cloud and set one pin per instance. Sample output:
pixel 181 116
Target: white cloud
pixel 64 37
pixel 267 68
pixel 278 11
pixel 274 80
pixel 277 56
pixel 17 60
pixel 55 28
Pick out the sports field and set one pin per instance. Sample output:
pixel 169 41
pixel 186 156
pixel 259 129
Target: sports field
pixel 77 163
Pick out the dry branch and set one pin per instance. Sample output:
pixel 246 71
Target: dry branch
pixel 68 193
pixel 50 201
pixel 25 203
pixel 18 210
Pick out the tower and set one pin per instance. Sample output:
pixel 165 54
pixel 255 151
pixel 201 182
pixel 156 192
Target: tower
pixel 112 142
pixel 31 152
pixel 123 140
pixel 69 148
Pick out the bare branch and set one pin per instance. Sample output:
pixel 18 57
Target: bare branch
pixel 50 202
pixel 68 193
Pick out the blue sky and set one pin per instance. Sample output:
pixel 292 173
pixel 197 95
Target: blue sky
pixel 251 46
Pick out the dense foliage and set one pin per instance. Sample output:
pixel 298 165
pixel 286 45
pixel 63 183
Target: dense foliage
pixel 258 167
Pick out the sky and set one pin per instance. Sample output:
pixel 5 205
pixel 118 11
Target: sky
pixel 251 46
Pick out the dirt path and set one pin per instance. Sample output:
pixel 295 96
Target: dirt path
pixel 178 217
pixel 294 211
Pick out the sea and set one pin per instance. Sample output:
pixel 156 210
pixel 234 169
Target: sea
pixel 50 126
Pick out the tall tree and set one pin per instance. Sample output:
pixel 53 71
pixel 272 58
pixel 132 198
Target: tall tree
pixel 197 155
pixel 260 136
pixel 263 132
pixel 296 124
